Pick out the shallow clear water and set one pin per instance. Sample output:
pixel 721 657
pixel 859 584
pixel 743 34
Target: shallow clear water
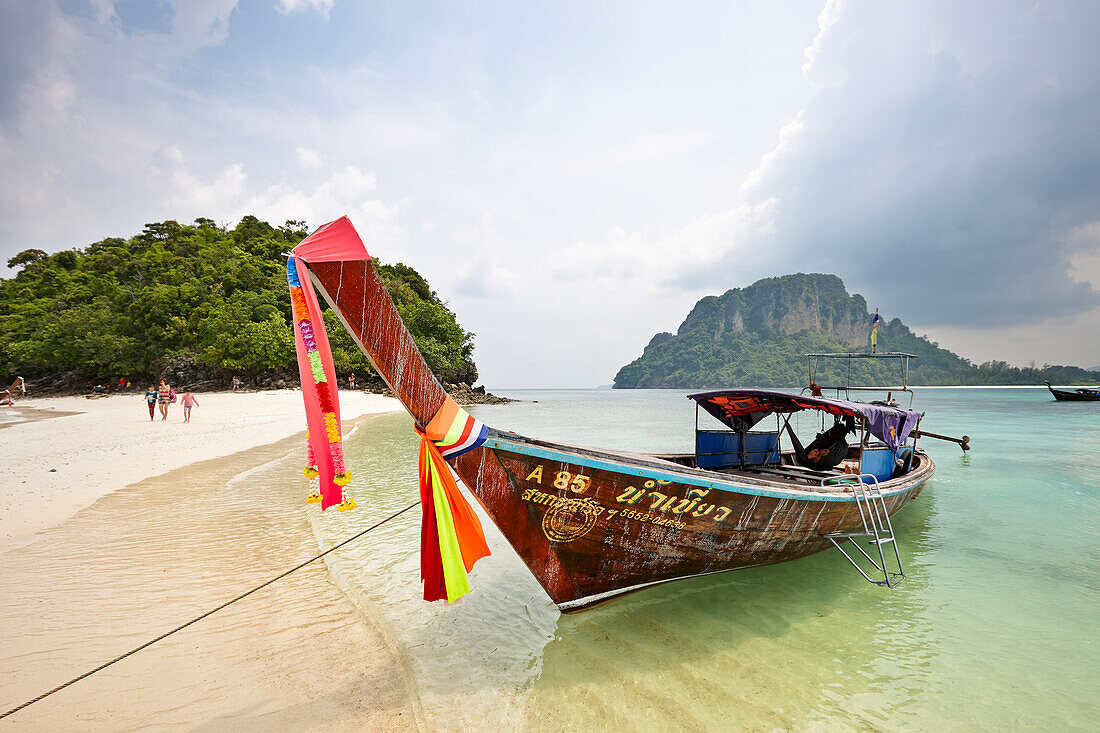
pixel 996 626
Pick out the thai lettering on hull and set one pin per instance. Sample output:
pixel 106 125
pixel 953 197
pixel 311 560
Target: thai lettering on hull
pixel 571 516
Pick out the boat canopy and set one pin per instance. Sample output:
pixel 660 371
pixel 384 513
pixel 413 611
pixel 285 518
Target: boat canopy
pixel 740 409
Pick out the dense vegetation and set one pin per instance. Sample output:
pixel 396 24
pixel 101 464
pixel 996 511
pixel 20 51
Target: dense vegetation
pixel 759 336
pixel 125 307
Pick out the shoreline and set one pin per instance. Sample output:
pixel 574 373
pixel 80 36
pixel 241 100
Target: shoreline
pixel 32 414
pixel 173 545
pixel 75 451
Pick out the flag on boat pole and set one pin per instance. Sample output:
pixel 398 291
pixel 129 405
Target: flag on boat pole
pixel 874 331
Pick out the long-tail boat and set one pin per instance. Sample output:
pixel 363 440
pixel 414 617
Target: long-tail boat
pixel 17 385
pixel 592 523
pixel 1079 394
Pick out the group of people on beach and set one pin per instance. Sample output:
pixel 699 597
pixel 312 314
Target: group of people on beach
pixel 163 396
pixel 122 385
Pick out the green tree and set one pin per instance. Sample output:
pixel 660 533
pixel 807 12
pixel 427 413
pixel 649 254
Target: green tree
pixel 125 306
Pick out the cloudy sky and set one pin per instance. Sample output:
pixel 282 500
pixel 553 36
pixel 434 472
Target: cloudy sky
pixel 573 178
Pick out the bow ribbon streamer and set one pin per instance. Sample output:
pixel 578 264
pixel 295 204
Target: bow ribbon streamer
pixel 451 536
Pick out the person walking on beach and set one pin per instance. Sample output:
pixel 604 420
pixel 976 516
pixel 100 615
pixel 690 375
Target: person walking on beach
pixel 188 401
pixel 236 383
pixel 164 398
pixel 151 400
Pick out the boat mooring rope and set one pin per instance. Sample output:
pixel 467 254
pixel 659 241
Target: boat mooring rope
pixel 211 612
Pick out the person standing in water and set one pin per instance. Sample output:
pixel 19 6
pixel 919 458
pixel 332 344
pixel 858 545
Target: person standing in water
pixel 164 398
pixel 151 400
pixel 188 401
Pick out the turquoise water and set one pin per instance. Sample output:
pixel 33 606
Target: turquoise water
pixel 995 627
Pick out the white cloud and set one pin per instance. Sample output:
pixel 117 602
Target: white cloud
pixel 298 6
pixel 230 195
pixel 789 136
pixel 308 158
pixel 168 156
pixel 199 23
pixel 645 259
pixel 219 198
pixel 820 70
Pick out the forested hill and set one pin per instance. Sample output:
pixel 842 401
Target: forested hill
pixel 214 299
pixel 759 335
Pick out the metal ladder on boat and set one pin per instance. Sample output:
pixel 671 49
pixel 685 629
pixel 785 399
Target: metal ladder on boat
pixel 876 526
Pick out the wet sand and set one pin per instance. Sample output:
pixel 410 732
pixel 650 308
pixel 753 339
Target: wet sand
pixel 297 655
pixel 19 415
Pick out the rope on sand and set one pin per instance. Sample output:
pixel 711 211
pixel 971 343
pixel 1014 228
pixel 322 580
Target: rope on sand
pixel 211 612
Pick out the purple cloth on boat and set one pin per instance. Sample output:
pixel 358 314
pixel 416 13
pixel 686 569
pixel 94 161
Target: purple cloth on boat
pixel 892 427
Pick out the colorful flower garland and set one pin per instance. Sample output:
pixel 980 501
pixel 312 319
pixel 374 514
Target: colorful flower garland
pixel 311 473
pixel 304 324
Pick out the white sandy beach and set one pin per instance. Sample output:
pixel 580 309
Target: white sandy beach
pixel 61 465
pixel 169 533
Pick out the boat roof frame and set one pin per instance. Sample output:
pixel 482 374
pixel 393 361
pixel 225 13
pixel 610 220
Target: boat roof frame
pixel 902 357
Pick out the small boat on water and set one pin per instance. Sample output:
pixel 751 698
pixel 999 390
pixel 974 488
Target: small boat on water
pixel 594 523
pixel 1079 394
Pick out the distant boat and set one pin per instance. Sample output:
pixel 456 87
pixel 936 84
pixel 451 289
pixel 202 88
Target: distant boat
pixel 1080 394
pixel 591 523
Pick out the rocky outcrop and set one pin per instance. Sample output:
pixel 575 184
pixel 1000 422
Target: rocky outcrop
pixel 464 394
pixel 759 335
pixel 662 337
pixel 188 373
pixel 783 305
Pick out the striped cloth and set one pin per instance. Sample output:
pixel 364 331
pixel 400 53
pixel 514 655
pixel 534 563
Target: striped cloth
pixel 451 537
pixel 455 431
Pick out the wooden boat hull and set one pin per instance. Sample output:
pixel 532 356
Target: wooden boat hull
pixel 1063 395
pixel 592 524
